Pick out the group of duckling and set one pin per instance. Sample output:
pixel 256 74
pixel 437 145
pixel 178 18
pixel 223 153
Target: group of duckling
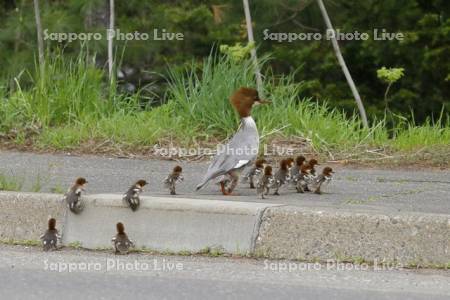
pixel 299 172
pixel 120 241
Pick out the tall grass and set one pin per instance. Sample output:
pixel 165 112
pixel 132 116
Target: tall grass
pixel 73 105
pixel 201 95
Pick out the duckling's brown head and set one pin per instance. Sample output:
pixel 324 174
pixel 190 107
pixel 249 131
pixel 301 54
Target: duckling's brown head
pixel 313 162
pixel 299 160
pixel 284 164
pixel 327 171
pixel 80 181
pixel 306 169
pixel 268 171
pixel 259 163
pixel 177 169
pixel 141 182
pixel 120 228
pixel 290 162
pixel 51 224
pixel 243 100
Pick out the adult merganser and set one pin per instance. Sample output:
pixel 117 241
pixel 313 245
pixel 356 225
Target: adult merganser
pixel 243 147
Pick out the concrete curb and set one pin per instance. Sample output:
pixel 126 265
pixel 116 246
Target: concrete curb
pixel 261 229
pixel 24 216
pixel 174 224
pixel 306 234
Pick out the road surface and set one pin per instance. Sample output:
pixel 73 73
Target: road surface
pixel 29 273
pixel 354 189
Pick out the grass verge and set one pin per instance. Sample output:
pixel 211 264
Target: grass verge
pixel 71 109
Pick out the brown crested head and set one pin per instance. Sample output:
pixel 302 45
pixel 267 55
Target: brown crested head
pixel 243 99
pixel 268 171
pixel 313 162
pixel 51 224
pixel 177 169
pixel 299 160
pixel 120 228
pixel 284 164
pixel 305 169
pixel 141 182
pixel 259 163
pixel 81 181
pixel 327 171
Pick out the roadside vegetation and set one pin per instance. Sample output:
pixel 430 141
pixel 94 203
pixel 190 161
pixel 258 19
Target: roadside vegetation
pixel 73 108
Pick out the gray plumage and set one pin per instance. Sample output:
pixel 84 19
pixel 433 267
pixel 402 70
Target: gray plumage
pixel 238 153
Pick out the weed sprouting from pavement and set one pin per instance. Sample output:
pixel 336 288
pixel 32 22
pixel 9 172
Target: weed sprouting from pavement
pixel 10 183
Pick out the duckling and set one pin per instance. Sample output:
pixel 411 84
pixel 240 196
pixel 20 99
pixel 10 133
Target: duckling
pixel 313 162
pixel 281 176
pixel 303 179
pixel 131 197
pixel 51 236
pixel 254 172
pixel 264 182
pixel 324 178
pixel 173 179
pixel 120 241
pixel 295 171
pixel 73 196
pixel 243 147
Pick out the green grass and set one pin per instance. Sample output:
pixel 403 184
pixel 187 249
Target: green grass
pixel 72 107
pixel 10 183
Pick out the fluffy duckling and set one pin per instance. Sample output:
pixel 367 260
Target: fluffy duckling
pixel 131 197
pixel 313 162
pixel 50 237
pixel 173 179
pixel 303 179
pixel 264 182
pixel 255 171
pixel 73 196
pixel 120 241
pixel 295 171
pixel 324 178
pixel 281 176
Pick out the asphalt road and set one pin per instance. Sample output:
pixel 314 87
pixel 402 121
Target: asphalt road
pixel 29 273
pixel 352 189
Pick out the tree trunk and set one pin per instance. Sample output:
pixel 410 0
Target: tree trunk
pixel 39 36
pixel 341 60
pixel 251 40
pixel 110 40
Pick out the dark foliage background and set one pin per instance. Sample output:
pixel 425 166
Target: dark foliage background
pixel 424 54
